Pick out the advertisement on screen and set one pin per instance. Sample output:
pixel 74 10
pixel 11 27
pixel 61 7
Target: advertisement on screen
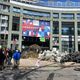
pixel 36 28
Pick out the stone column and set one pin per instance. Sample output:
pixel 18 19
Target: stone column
pixel 76 33
pixel 60 43
pixel 20 32
pixel 10 28
pixel 51 28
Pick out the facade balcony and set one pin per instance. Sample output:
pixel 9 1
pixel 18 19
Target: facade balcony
pixel 4 25
pixel 4 17
pixel 4 32
pixel 5 0
pixel 5 10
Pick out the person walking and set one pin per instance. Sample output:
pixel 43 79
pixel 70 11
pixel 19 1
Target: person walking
pixel 5 51
pixel 16 58
pixel 10 53
pixel 2 58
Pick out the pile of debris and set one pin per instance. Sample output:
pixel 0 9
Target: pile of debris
pixel 52 55
pixel 72 57
pixel 55 55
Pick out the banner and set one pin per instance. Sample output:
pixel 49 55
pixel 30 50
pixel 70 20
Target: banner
pixel 36 28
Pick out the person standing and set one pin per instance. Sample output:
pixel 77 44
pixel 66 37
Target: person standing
pixel 10 53
pixel 16 58
pixel 5 51
pixel 2 58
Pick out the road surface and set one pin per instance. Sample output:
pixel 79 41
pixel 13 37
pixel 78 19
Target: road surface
pixel 42 73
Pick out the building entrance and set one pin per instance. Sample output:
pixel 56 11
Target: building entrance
pixel 28 41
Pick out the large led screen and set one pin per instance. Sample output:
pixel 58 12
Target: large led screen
pixel 36 28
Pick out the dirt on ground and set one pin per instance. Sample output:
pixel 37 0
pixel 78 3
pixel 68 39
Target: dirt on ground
pixel 31 62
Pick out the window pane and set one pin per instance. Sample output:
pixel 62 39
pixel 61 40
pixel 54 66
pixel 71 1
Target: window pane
pixel 55 27
pixel 67 16
pixel 16 10
pixel 16 23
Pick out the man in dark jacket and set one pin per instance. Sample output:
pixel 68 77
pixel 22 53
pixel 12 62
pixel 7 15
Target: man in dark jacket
pixel 2 58
pixel 10 53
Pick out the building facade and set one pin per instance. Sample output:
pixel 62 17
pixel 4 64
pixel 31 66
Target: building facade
pixel 64 24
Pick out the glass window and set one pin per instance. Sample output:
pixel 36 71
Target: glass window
pixel 4 21
pixel 5 8
pixel 68 46
pixel 15 23
pixel 16 10
pixel 35 13
pixel 55 15
pixel 78 16
pixel 2 36
pixel 65 46
pixel 14 47
pixel 78 24
pixel 55 40
pixel 6 0
pixel 4 24
pixel 2 28
pixel 15 37
pixel 67 16
pixel 55 27
pixel 0 6
pixel 67 28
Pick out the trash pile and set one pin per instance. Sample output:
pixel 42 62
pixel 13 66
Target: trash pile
pixel 52 55
pixel 72 57
pixel 55 55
